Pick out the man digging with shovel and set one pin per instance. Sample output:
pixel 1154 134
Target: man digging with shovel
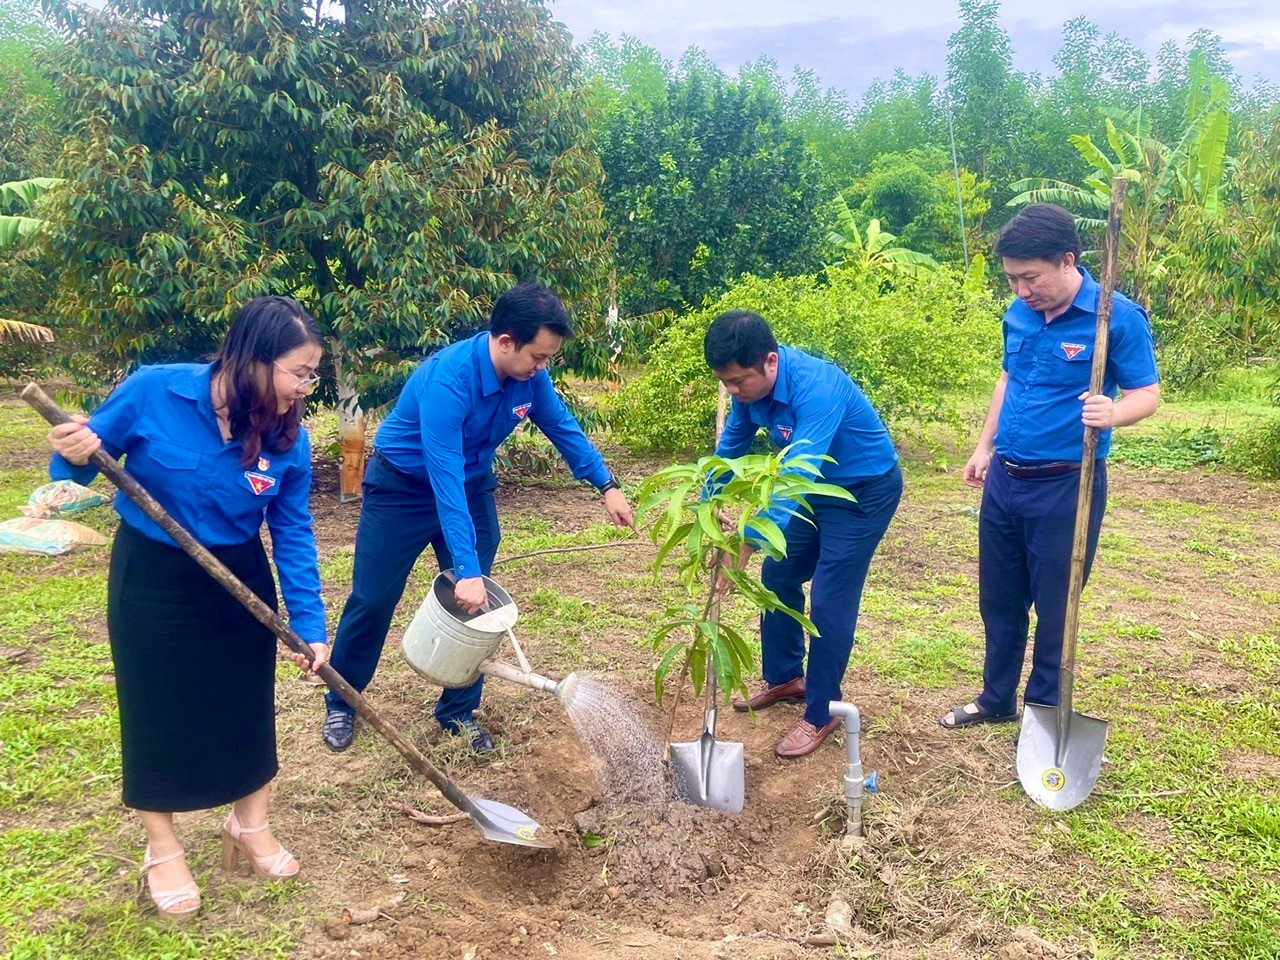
pixel 813 406
pixel 1028 458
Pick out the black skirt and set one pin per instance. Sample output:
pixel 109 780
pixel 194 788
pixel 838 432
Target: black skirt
pixel 195 675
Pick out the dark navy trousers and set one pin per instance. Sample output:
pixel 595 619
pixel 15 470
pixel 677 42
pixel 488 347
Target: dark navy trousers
pixel 1025 529
pixel 398 520
pixel 834 552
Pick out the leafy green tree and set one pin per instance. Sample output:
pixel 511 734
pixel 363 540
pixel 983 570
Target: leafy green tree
pixel 1220 293
pixel 703 184
pixel 1162 177
pixel 992 103
pixel 32 122
pixel 914 195
pixel 895 117
pixel 681 506
pixel 395 168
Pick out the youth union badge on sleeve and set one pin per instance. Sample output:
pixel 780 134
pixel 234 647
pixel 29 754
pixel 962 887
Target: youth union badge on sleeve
pixel 521 410
pixel 786 433
pixel 260 482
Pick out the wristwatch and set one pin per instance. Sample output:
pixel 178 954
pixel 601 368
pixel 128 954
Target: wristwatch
pixel 611 484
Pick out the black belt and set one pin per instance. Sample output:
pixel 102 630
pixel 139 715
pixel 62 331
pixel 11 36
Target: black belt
pixel 1025 471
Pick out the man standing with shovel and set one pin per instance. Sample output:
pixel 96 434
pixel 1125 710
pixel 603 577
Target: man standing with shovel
pixel 1029 455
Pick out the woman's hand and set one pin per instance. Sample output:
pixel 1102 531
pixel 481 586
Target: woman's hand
pixel 320 653
pixel 74 442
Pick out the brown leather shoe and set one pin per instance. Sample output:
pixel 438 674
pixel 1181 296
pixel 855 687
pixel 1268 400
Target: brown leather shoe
pixel 767 694
pixel 804 739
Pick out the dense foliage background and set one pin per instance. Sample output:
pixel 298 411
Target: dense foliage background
pixel 396 165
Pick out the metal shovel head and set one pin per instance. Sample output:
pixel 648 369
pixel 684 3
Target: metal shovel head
pixel 709 773
pixel 1059 776
pixel 505 824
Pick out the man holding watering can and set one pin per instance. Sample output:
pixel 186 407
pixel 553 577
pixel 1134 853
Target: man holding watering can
pixel 431 481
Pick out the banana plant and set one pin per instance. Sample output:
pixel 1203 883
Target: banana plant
pixel 28 192
pixel 18 331
pixel 694 512
pixel 12 228
pixel 1162 177
pixel 877 250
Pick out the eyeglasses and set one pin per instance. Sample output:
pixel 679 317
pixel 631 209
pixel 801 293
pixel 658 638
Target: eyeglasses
pixel 305 384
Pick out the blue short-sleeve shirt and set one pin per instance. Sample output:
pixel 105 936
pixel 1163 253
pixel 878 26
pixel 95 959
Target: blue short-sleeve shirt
pixel 1049 365
pixel 817 409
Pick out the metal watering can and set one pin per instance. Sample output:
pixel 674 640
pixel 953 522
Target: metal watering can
pixel 452 648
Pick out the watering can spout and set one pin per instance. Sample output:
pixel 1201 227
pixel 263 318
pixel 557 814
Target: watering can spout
pixel 564 689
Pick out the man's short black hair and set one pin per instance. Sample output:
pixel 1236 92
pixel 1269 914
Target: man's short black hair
pixel 1041 231
pixel 525 309
pixel 738 336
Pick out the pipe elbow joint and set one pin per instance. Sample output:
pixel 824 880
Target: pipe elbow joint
pixel 849 713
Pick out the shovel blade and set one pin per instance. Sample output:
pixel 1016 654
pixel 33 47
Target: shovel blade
pixel 505 824
pixel 1059 786
pixel 710 773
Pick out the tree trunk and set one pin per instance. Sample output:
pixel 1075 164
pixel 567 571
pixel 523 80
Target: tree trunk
pixel 351 431
pixel 612 336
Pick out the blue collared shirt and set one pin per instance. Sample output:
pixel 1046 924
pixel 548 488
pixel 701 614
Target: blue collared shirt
pixel 1049 364
pixel 818 409
pixel 450 419
pixel 162 420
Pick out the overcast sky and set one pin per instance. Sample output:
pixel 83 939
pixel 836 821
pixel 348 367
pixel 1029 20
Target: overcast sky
pixel 852 43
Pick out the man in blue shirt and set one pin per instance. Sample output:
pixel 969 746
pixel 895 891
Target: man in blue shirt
pixel 431 482
pixel 1028 458
pixel 813 406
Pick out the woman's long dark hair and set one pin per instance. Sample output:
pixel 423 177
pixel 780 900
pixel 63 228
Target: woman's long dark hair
pixel 264 329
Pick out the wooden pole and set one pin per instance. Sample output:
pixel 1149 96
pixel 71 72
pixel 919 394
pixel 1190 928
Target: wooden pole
pixel 1088 463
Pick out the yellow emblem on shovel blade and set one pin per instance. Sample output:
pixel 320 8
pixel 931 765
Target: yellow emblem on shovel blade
pixel 527 833
pixel 1053 779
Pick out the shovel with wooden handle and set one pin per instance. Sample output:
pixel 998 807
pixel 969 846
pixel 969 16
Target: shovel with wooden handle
pixel 496 821
pixel 1060 750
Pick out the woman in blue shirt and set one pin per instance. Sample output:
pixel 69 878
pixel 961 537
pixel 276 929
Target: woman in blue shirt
pixel 222 448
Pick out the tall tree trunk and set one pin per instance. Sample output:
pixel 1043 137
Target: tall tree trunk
pixel 612 335
pixel 351 430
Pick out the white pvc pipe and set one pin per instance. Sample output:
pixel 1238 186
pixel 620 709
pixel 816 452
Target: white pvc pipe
pixel 854 780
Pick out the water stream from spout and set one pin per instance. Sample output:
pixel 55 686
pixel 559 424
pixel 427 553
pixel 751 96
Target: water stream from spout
pixel 616 731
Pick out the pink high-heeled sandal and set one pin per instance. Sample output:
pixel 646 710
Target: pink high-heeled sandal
pixel 176 904
pixel 273 865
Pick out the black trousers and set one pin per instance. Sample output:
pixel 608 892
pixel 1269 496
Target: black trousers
pixel 195 675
